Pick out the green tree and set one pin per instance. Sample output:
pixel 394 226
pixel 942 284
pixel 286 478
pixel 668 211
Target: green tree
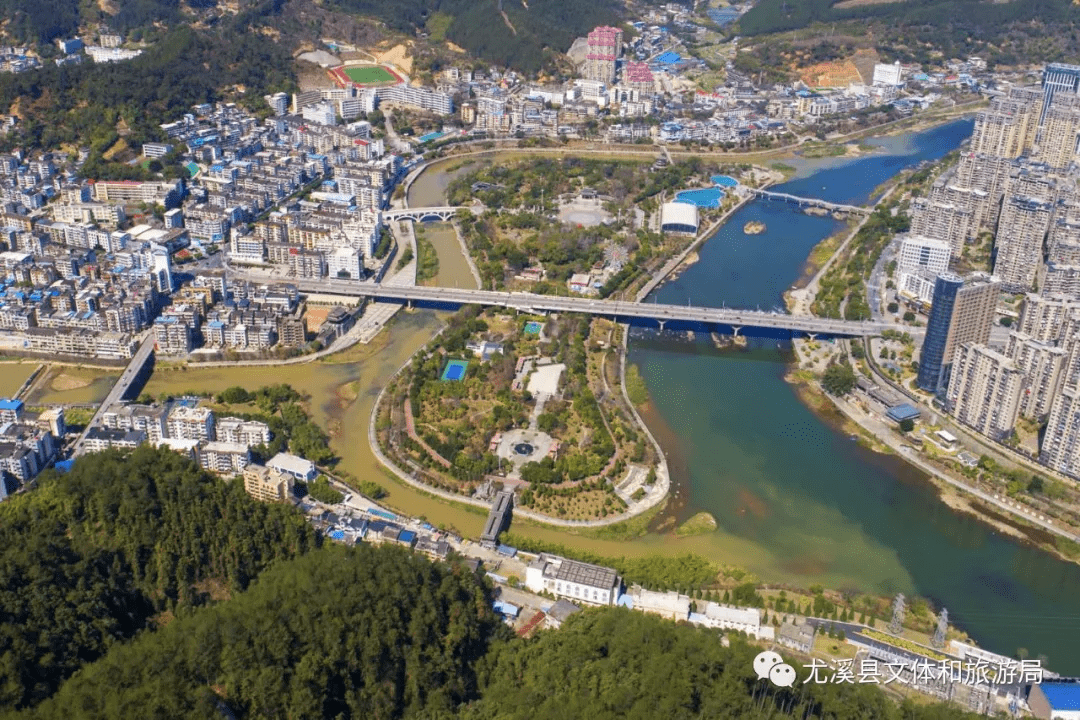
pixel 839 379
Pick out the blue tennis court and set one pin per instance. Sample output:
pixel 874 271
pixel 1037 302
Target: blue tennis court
pixel 455 370
pixel 669 58
pixel 533 328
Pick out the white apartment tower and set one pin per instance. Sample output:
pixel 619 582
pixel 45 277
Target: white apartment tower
pixel 1060 449
pixel 985 390
pixel 1021 230
pixel 1042 364
pixel 949 222
pixel 1044 317
pixel 1008 128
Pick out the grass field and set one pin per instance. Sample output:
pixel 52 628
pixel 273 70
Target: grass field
pixel 370 75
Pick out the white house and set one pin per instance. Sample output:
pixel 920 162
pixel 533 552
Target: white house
pixel 298 467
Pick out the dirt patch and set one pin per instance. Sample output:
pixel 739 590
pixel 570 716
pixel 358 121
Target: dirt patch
pixel 397 55
pixel 456 48
pixel 64 382
pixel 316 316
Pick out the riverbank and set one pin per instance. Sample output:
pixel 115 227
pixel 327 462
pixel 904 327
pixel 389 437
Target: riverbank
pixel 844 416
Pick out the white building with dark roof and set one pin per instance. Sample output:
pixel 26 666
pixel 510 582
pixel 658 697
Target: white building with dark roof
pixel 578 581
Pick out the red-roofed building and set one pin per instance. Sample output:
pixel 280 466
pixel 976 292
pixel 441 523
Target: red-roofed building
pixel 639 77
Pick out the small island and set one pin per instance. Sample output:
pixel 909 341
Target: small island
pixel 754 227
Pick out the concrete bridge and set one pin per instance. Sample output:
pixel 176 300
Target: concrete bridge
pixel 428 214
pixel 658 315
pixel 809 202
pixel 131 372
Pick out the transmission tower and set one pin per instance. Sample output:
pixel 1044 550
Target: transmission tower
pixel 896 624
pixel 942 628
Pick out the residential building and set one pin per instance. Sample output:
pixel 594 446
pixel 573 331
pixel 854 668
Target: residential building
pixel 242 432
pixel 1044 316
pixel 1060 449
pixel 149 419
pixel 224 458
pixel 1059 133
pixel 297 467
pixel 191 423
pixel 1008 128
pixel 1059 78
pixel 99 438
pixel 558 613
pixel 889 75
pixel 604 48
pixel 1042 364
pixel 11 410
pixel 944 221
pixel 797 637
pixel 578 581
pixel 670 605
pixel 962 311
pixel 1021 231
pixel 985 390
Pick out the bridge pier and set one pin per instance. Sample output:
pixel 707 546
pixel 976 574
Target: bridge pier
pixel 662 324
pixel 735 330
pixel 812 336
pixel 408 304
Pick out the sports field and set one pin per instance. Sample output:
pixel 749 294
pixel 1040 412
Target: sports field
pixel 370 75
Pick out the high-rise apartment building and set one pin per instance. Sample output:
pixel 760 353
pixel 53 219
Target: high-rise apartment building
pixel 1041 363
pixel 1045 317
pixel 1061 279
pixel 1059 79
pixel 1019 242
pixel 1008 128
pixel 604 48
pixel 948 222
pixel 985 388
pixel 1060 132
pixel 962 312
pixel 1060 448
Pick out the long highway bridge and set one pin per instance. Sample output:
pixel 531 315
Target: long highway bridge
pixel 623 311
pixel 809 202
pixel 131 372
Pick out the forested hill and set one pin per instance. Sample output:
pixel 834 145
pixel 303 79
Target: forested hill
pixel 92 557
pixel 1014 31
pixel 506 33
pixel 142 587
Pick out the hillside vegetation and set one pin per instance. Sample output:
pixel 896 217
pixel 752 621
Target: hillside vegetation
pixel 139 586
pixel 1021 31
pixel 91 556
pixel 524 40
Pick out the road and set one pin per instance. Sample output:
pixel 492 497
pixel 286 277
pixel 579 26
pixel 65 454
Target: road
pixel 622 310
pixel 884 432
pixel 122 385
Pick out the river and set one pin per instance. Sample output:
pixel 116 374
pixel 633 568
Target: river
pixel 795 501
pixel 818 507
